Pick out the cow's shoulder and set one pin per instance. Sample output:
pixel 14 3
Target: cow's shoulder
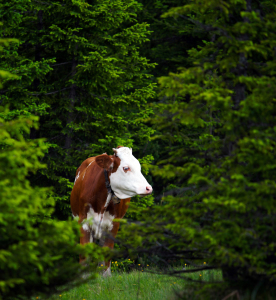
pixel 85 164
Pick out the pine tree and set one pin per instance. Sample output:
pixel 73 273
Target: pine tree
pixel 169 42
pixel 81 72
pixel 223 111
pixel 37 255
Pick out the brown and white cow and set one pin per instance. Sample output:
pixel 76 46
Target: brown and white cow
pixel 93 201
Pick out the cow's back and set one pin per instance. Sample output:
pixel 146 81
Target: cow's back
pixel 87 184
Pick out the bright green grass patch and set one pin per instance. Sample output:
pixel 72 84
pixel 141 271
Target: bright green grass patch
pixel 134 285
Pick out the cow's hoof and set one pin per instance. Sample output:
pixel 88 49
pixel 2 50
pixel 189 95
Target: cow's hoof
pixel 107 272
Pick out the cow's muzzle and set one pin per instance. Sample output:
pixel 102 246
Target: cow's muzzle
pixel 148 191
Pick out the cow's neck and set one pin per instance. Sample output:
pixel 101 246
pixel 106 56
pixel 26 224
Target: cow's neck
pixel 110 194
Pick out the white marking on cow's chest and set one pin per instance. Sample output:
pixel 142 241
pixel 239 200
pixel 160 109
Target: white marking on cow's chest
pixel 86 169
pixel 85 227
pixel 78 175
pixel 107 224
pixel 98 223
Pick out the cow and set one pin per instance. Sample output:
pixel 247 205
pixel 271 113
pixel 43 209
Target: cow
pixel 102 191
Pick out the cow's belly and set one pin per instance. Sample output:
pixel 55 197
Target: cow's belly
pixel 98 223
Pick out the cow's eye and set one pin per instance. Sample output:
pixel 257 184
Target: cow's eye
pixel 126 169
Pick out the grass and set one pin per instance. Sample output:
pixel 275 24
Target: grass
pixel 137 284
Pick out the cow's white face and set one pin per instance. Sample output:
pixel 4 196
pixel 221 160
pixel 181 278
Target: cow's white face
pixel 128 181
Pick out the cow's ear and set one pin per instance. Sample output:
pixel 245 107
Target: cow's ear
pixel 104 161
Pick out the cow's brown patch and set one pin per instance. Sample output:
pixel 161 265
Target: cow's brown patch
pixel 116 163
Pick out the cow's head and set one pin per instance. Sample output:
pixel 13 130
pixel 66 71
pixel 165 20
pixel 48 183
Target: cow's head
pixel 126 179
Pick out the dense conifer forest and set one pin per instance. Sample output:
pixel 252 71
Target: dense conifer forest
pixel 190 86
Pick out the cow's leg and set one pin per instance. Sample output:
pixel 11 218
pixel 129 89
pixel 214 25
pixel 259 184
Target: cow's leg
pixel 110 243
pixel 85 236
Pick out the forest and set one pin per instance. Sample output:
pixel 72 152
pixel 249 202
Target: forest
pixel 190 86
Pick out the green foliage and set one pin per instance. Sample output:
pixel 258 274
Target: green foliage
pixel 37 255
pixel 79 69
pixel 170 40
pixel 4 75
pixel 122 265
pixel 218 117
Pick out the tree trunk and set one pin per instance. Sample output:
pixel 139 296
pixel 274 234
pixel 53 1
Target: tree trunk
pixel 241 69
pixel 72 96
pixel 34 133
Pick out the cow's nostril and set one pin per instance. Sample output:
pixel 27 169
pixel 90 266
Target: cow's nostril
pixel 148 188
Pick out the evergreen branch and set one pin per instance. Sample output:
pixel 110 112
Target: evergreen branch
pixel 65 63
pixel 105 98
pixel 51 93
pixel 205 27
pixel 53 138
pixel 94 95
pixel 174 192
pixel 50 4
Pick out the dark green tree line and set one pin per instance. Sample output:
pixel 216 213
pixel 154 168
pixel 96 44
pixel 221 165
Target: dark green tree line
pixel 170 40
pixel 218 118
pixel 80 71
pixel 38 256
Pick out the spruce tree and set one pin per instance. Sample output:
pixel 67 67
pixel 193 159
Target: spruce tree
pixel 169 42
pixel 222 149
pixel 38 256
pixel 81 72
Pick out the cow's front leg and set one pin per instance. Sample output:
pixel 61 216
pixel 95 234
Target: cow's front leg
pixel 85 236
pixel 110 244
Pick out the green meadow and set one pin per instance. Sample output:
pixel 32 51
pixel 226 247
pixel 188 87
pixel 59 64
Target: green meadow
pixel 138 284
